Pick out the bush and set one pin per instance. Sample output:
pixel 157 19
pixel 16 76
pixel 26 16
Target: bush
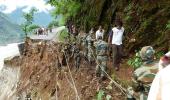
pixel 136 61
pixel 159 54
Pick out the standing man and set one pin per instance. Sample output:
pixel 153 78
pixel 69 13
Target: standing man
pixel 99 32
pixel 117 44
pixel 85 45
pixel 90 41
pixel 102 57
pixel 76 55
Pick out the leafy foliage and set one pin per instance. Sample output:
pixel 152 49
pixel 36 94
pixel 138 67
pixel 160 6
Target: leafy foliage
pixel 136 61
pixel 100 95
pixel 108 97
pixel 63 34
pixel 159 54
pixel 168 25
pixel 32 27
pixel 53 23
pixel 29 18
pixel 66 8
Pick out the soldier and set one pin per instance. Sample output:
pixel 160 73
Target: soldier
pixel 144 75
pixel 76 55
pixel 85 45
pixel 102 57
pixel 90 47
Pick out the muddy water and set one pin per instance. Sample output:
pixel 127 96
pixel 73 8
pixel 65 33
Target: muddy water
pixel 8 79
pixel 9 76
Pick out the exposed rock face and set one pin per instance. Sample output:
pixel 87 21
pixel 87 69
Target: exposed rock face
pixel 144 20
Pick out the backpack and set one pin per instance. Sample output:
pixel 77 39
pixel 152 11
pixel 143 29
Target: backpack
pixel 102 48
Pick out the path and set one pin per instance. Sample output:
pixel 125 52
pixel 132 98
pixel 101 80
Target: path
pixel 51 36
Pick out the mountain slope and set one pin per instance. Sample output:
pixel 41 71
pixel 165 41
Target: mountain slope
pixel 40 18
pixel 9 32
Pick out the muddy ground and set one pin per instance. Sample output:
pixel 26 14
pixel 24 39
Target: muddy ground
pixel 42 78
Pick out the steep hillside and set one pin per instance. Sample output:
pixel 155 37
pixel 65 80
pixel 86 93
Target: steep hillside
pixel 44 79
pixel 147 21
pixel 9 32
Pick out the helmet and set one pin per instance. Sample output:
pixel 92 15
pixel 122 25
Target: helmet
pixel 147 53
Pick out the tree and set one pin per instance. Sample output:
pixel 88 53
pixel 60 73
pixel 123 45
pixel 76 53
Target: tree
pixel 65 8
pixel 53 24
pixel 29 18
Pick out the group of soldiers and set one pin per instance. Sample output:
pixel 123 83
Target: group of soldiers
pixel 87 47
pixel 98 50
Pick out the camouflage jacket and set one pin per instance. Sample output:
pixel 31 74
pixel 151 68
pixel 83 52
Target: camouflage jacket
pixel 101 48
pixel 144 75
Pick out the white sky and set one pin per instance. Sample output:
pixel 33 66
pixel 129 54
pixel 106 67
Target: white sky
pixel 8 6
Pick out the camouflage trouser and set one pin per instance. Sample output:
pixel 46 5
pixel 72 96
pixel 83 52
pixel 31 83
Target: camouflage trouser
pixel 85 52
pixel 90 55
pixel 101 65
pixel 77 61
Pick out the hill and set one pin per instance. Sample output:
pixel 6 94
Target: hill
pixel 9 31
pixel 17 17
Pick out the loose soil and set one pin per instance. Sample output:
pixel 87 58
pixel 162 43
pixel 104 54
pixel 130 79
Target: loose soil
pixel 41 78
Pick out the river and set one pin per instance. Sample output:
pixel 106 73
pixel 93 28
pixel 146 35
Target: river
pixel 9 76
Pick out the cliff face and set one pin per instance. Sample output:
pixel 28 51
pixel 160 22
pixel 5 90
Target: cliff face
pixel 145 20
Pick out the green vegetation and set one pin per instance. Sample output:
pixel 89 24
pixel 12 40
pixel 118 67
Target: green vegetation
pixel 9 31
pixel 168 25
pixel 28 26
pixel 136 61
pixel 159 54
pixel 100 95
pixel 52 24
pixel 63 34
pixel 32 27
pixel 66 8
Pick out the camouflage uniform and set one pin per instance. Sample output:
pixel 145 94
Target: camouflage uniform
pixel 76 55
pixel 85 45
pixel 144 75
pixel 90 47
pixel 102 57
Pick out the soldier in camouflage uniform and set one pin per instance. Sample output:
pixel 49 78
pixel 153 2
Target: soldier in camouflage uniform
pixel 102 57
pixel 85 45
pixel 76 55
pixel 144 75
pixel 90 47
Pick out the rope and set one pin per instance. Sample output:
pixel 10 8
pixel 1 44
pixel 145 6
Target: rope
pixel 123 90
pixel 77 96
pixel 68 81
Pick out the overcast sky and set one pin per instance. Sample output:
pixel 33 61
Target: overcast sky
pixel 8 6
